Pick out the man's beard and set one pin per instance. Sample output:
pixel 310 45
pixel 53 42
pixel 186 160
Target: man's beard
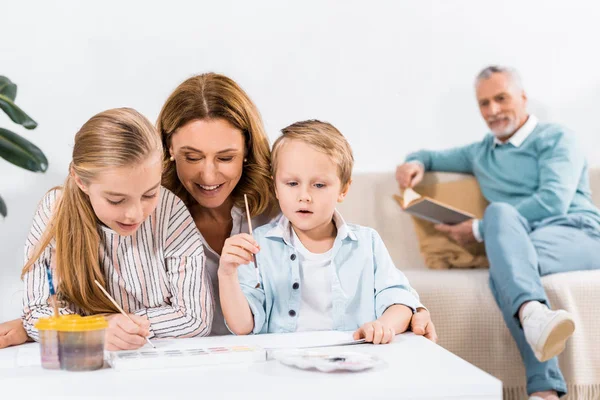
pixel 506 131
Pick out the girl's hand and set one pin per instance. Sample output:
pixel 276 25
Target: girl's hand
pixel 122 334
pixel 12 333
pixel 237 250
pixel 375 332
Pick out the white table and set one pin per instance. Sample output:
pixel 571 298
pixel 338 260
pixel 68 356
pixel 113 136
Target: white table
pixel 413 368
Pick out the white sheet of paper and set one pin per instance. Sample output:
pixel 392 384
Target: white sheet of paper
pixel 29 357
pixel 302 340
pixel 409 195
pixel 7 361
pixel 269 341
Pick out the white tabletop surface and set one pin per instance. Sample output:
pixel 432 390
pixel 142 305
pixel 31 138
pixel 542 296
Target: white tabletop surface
pixel 412 368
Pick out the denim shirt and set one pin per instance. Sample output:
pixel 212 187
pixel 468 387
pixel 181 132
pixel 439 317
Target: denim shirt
pixel 364 281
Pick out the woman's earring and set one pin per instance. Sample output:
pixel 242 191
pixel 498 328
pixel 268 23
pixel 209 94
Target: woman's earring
pixel 172 159
pixel 245 160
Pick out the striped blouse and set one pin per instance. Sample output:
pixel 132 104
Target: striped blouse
pixel 157 272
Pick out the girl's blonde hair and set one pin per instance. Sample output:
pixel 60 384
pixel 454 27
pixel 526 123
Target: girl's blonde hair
pixel 322 136
pixel 213 96
pixel 111 139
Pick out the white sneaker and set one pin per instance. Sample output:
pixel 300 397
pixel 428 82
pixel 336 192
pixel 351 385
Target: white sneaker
pixel 546 331
pixel 542 398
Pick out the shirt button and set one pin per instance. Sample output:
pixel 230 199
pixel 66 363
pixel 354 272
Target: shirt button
pixel 292 313
pixel 295 286
pixel 293 257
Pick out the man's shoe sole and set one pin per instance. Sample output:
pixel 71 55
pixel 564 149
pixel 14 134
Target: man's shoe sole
pixel 553 339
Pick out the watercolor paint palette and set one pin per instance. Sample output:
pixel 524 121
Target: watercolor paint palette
pixel 328 361
pixel 192 357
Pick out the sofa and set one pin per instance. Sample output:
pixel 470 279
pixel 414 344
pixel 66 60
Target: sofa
pixel 467 319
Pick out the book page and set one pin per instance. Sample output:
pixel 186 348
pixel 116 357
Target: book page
pixel 408 196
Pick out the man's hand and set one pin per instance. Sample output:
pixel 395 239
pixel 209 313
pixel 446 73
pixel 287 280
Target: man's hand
pixel 422 325
pixel 12 333
pixel 409 174
pixel 461 233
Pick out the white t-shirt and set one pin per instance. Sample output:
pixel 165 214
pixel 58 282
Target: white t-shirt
pixel 315 288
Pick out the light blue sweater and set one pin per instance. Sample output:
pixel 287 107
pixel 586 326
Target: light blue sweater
pixel 545 176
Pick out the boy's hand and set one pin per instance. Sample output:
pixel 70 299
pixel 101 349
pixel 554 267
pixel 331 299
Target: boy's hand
pixel 422 325
pixel 122 334
pixel 461 233
pixel 409 174
pixel 375 332
pixel 12 333
pixel 237 250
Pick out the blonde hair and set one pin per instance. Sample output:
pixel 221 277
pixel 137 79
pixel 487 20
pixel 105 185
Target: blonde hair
pixel 213 96
pixel 322 136
pixel 111 139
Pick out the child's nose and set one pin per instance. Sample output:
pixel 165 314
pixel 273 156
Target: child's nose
pixel 304 196
pixel 135 212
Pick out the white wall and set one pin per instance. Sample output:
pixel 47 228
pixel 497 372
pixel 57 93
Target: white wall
pixel 393 76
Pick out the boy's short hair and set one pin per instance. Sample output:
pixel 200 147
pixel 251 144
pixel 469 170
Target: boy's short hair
pixel 322 136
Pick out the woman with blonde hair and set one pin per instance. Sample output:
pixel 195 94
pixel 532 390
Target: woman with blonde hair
pixel 113 222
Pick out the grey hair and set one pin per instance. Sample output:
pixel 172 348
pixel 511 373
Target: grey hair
pixel 512 74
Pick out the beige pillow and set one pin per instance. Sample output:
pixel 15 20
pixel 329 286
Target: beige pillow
pixel 438 250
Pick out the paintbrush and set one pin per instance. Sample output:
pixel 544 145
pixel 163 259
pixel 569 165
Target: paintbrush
pixel 118 307
pixel 52 291
pixel 250 228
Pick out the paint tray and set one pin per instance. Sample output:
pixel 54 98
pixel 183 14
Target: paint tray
pixel 192 357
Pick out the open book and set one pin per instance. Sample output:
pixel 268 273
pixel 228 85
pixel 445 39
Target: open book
pixel 431 210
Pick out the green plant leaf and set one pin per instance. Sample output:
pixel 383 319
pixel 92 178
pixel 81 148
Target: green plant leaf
pixel 8 88
pixel 3 210
pixel 21 152
pixel 15 113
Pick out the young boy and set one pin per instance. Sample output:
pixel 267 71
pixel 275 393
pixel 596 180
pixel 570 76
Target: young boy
pixel 316 271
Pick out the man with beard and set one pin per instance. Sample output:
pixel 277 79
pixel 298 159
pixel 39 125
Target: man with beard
pixel 540 221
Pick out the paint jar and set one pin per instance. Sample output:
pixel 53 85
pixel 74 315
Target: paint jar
pixel 81 343
pixel 49 339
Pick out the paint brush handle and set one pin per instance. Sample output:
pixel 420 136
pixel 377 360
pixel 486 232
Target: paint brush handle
pixel 52 291
pixel 55 306
pixel 248 214
pixel 250 229
pixel 118 307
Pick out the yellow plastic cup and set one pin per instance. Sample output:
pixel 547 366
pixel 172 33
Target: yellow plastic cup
pixel 49 339
pixel 81 343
